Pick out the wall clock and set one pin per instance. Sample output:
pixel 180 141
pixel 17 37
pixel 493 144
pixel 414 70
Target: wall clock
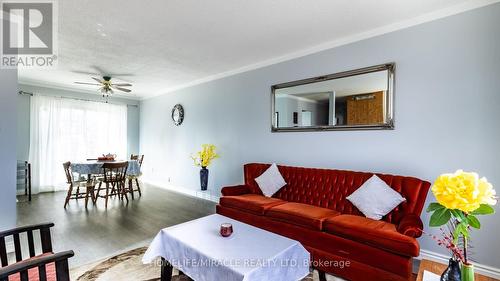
pixel 178 114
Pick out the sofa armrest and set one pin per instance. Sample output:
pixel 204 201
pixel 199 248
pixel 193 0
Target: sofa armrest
pixel 411 225
pixel 60 260
pixel 235 190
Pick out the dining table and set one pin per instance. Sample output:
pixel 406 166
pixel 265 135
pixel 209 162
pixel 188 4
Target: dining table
pixel 94 167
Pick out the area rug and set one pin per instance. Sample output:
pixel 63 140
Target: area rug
pixel 129 267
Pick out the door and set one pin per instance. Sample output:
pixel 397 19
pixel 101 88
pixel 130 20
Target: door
pixel 365 109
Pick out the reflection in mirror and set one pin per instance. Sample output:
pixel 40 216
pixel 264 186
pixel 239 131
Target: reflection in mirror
pixel 351 100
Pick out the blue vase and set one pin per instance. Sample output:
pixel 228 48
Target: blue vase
pixel 204 178
pixel 452 273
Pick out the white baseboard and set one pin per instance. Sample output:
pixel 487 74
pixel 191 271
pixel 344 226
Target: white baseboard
pixel 479 268
pixel 209 195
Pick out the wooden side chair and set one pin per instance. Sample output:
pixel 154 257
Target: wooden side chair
pixel 27 179
pixel 88 184
pixel 44 266
pixel 24 177
pixel 114 176
pixel 132 178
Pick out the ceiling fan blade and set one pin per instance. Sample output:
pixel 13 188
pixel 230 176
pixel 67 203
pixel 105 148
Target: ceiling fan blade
pixel 120 74
pixel 103 72
pixel 99 70
pixel 83 83
pixel 122 84
pixel 122 89
pixel 96 79
pixel 85 72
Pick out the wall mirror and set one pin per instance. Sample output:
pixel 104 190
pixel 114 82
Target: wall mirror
pixel 351 100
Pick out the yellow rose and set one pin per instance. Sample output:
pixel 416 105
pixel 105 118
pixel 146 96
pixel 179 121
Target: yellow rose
pixel 464 191
pixel 487 194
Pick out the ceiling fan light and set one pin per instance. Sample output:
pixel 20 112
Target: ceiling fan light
pixel 106 86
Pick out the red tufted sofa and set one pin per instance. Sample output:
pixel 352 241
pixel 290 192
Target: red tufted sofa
pixel 312 208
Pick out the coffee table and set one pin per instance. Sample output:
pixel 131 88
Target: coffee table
pixel 250 254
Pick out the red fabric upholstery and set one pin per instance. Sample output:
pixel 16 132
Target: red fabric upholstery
pixel 235 190
pixel 411 225
pixel 50 270
pixel 253 203
pixel 355 270
pixel 378 234
pixel 301 214
pixel 364 258
pixel 329 188
pixel 313 210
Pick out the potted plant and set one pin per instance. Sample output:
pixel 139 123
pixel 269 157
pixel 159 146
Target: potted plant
pixel 461 197
pixel 203 159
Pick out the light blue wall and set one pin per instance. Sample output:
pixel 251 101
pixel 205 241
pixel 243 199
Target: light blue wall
pixel 447 113
pixel 23 122
pixel 133 115
pixel 8 116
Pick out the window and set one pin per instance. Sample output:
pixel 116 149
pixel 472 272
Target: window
pixel 63 129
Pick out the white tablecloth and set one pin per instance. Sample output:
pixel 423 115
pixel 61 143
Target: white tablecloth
pixel 95 167
pixel 250 254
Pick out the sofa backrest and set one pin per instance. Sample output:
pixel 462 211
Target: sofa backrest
pixel 329 188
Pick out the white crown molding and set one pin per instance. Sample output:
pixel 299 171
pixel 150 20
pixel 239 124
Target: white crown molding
pixel 453 10
pixel 479 268
pixel 61 87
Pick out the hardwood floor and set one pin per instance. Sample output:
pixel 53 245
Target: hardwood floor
pixel 97 233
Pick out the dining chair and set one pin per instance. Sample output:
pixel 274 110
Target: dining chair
pixel 46 265
pixel 27 179
pixel 24 177
pixel 114 175
pixel 132 178
pixel 88 184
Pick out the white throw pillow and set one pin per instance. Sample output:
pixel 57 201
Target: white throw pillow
pixel 375 198
pixel 270 181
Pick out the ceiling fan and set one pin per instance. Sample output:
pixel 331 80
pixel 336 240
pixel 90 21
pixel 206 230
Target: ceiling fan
pixel 106 87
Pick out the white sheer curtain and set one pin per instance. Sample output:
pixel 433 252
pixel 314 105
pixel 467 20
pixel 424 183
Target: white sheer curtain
pixel 64 129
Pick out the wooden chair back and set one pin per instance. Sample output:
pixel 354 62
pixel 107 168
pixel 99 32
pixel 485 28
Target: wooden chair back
pixel 114 172
pixel 24 177
pixel 22 264
pixel 139 158
pixel 67 171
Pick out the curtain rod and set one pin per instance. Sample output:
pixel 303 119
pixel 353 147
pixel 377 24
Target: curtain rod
pixel 72 98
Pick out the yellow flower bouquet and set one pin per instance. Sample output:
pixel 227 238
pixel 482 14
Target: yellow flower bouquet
pixel 461 197
pixel 204 157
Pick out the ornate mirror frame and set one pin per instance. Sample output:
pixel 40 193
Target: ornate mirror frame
pixel 389 103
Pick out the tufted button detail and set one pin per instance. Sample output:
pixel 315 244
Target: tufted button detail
pixel 329 188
